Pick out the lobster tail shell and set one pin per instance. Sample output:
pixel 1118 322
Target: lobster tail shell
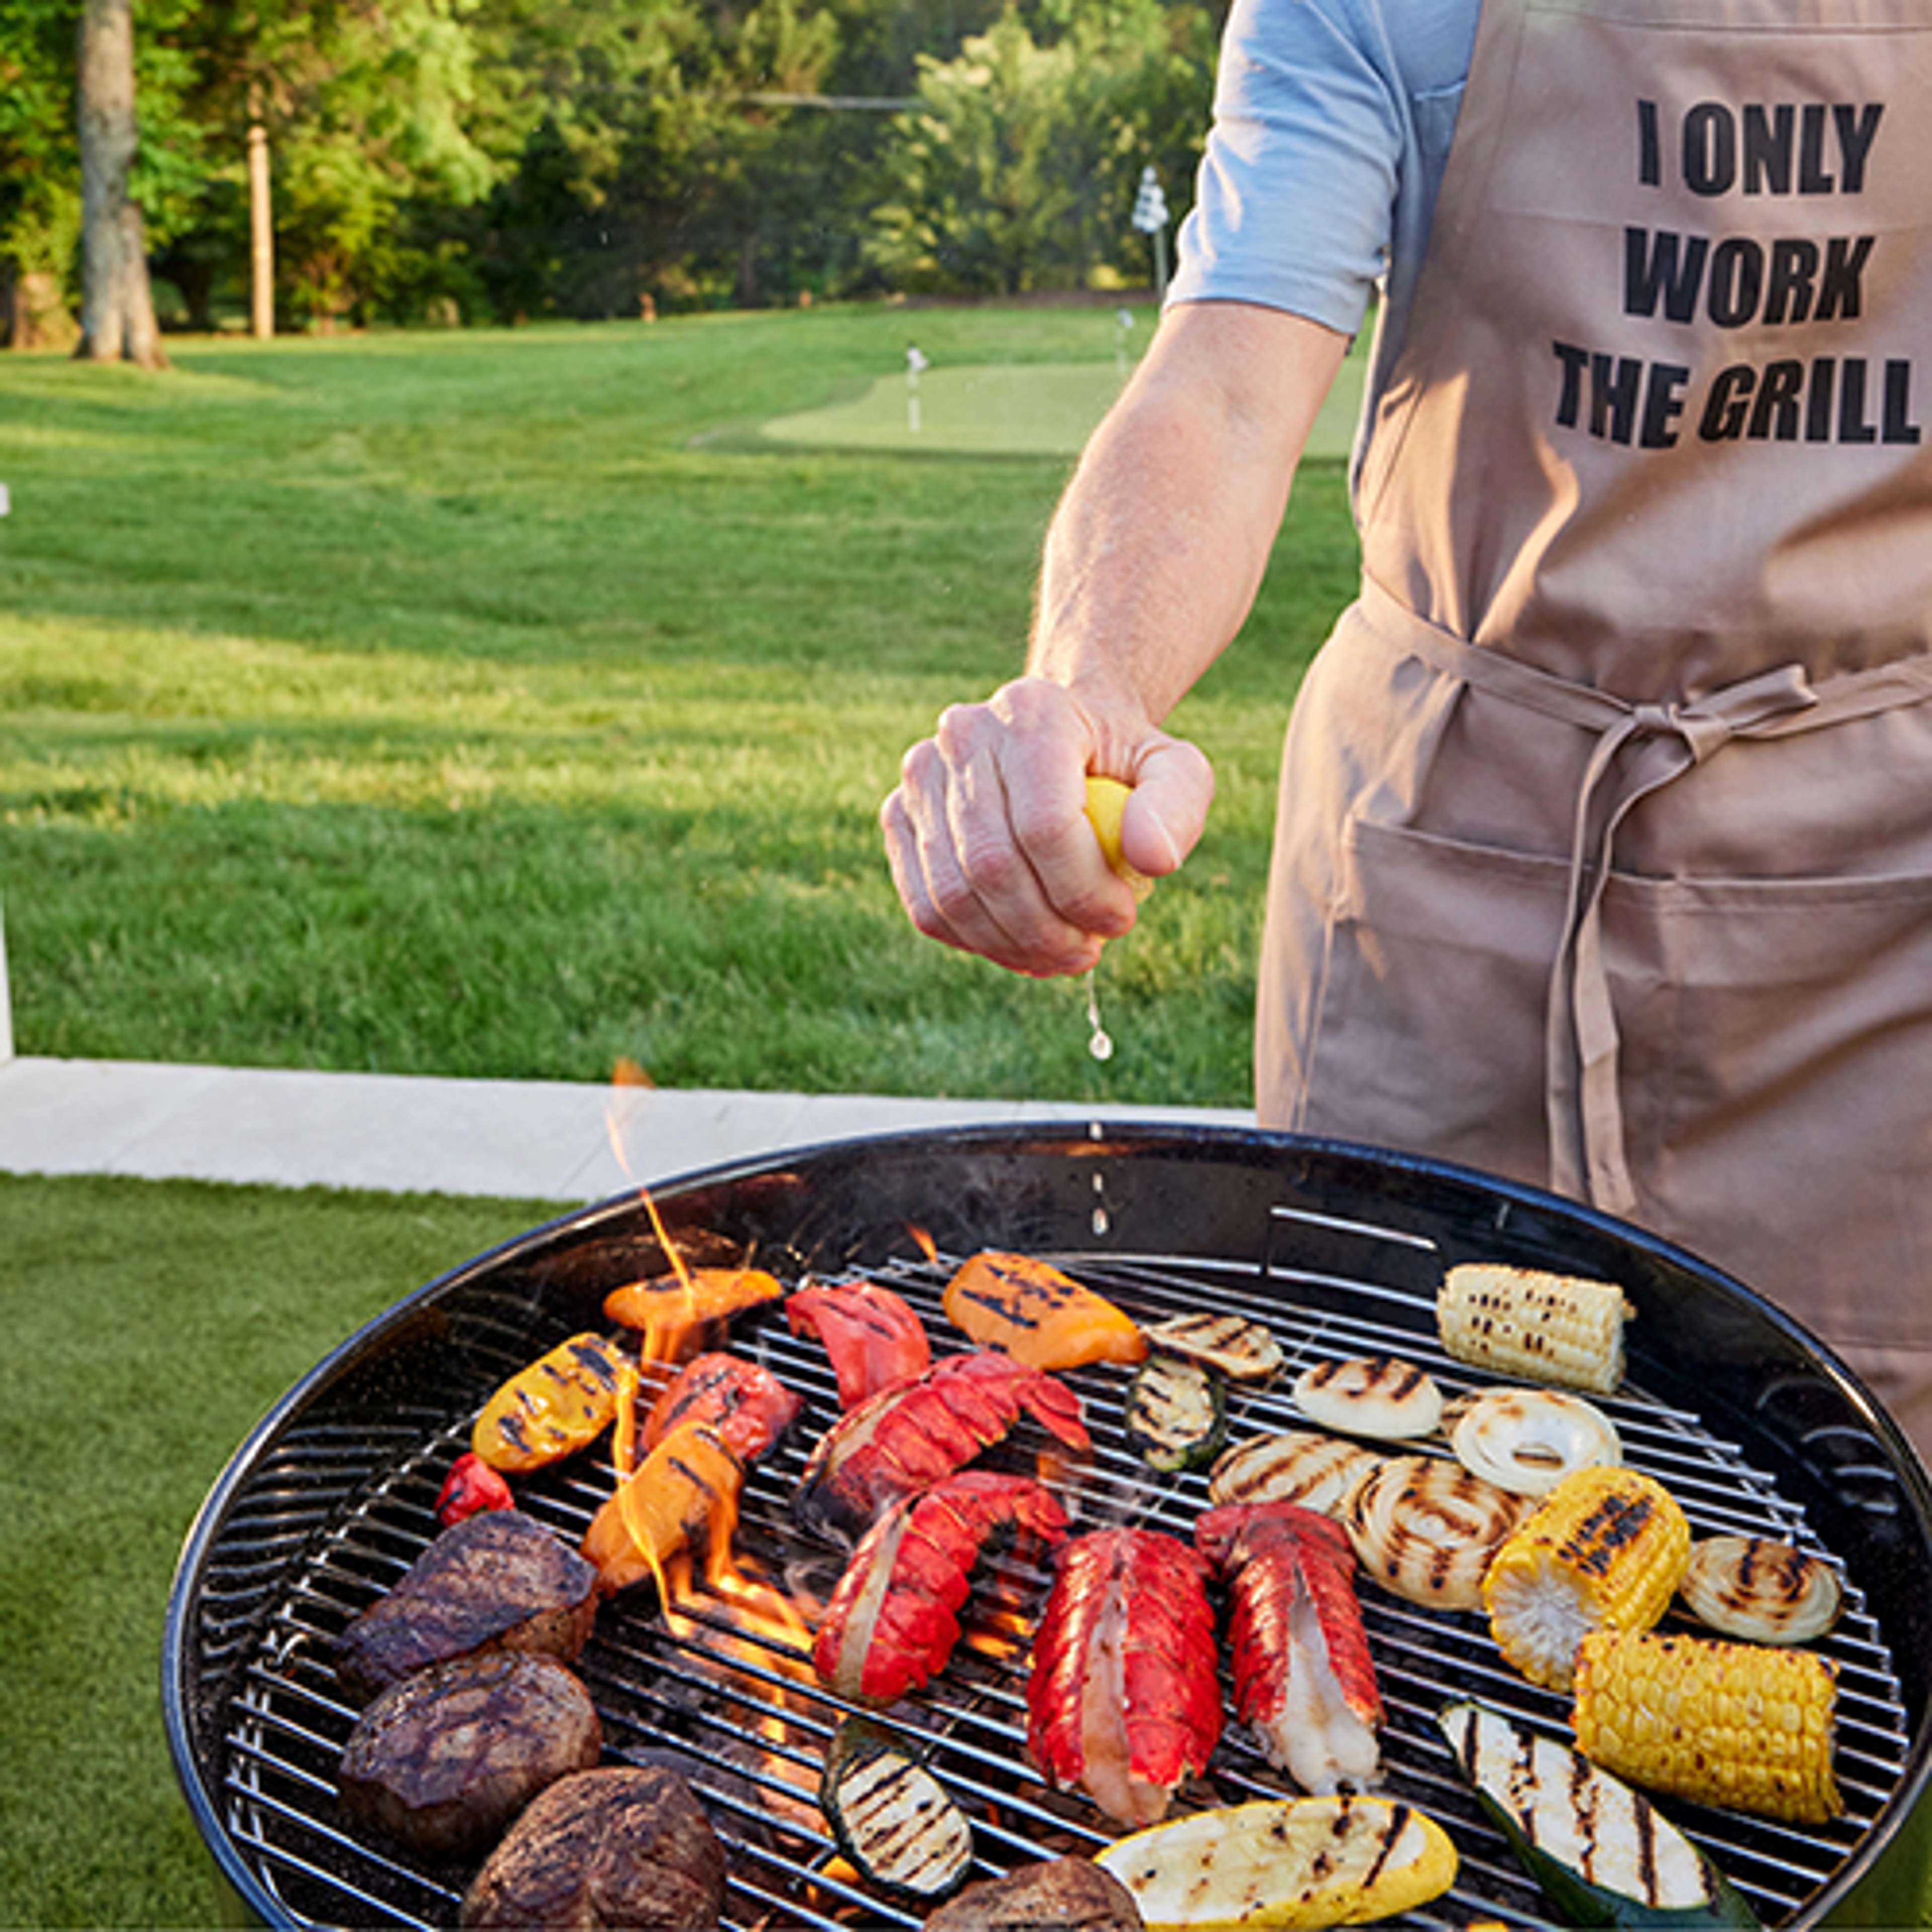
pixel 1304 1682
pixel 1124 1702
pixel 907 1438
pixel 893 1620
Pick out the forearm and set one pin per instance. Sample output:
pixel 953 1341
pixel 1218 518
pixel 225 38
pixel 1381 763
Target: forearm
pixel 1158 547
pixel 1152 560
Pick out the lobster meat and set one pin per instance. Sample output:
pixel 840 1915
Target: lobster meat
pixel 1304 1682
pixel 874 1338
pixel 905 1439
pixel 1123 1701
pixel 892 1621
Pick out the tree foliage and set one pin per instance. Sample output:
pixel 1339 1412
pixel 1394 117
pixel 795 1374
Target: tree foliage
pixel 504 159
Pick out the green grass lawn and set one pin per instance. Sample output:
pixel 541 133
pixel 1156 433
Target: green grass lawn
pixel 148 1327
pixel 496 704
pixel 502 703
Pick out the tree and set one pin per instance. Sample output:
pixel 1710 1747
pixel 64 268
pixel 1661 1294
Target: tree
pixel 1018 169
pixel 39 197
pixel 117 307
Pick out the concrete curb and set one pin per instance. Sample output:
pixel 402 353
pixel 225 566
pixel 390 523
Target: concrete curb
pixel 550 1141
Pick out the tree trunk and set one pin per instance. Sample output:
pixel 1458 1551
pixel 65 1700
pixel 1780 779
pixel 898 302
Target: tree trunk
pixel 32 313
pixel 117 306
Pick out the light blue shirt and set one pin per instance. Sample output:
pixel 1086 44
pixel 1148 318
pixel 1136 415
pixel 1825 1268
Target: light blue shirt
pixel 1332 120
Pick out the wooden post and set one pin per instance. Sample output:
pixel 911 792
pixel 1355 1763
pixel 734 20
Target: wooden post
pixel 6 1003
pixel 261 237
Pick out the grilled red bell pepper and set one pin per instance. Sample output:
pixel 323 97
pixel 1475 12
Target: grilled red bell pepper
pixel 747 1405
pixel 471 1487
pixel 875 1339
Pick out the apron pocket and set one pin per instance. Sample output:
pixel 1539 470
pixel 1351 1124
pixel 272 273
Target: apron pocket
pixel 1427 1030
pixel 1784 1116
pixel 1776 1057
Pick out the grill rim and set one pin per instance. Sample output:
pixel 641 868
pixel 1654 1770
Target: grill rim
pixel 183 1694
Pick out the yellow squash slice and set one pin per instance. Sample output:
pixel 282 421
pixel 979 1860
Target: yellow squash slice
pixel 1296 1862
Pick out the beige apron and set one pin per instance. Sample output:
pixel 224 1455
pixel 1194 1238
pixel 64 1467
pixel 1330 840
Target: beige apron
pixel 1605 851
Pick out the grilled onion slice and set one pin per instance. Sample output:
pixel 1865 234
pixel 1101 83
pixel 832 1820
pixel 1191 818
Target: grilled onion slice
pixel 1526 1440
pixel 1376 1395
pixel 1231 1344
pixel 1761 1591
pixel 1297 1466
pixel 1425 1527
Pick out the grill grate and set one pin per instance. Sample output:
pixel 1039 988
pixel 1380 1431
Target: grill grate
pixel 336 1515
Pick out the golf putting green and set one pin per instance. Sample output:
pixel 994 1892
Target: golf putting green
pixel 1027 409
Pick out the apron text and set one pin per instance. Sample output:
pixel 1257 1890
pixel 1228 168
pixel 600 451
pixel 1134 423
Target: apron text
pixel 1737 281
pixel 1624 399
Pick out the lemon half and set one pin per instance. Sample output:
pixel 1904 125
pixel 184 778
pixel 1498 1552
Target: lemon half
pixel 1106 805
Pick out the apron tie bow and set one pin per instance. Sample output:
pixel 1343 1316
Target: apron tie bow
pixel 1706 723
pixel 1663 740
pixel 1587 1157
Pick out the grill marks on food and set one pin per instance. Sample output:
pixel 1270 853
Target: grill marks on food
pixel 1038 1315
pixel 496 1581
pixel 1384 1376
pixel 1318 1472
pixel 1761 1590
pixel 1425 1528
pixel 443 1760
pixel 1612 1525
pixel 1379 1396
pixel 558 1405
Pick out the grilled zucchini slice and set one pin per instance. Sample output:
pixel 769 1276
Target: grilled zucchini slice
pixel 892 1817
pixel 1300 1862
pixel 1600 1850
pixel 1176 1413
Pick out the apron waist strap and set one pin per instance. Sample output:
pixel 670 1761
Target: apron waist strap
pixel 1639 748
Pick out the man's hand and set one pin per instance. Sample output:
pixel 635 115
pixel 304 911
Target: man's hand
pixel 1149 568
pixel 990 845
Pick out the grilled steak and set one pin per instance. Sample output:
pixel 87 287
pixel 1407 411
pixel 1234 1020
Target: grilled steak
pixel 443 1760
pixel 496 1581
pixel 619 1846
pixel 1058 1895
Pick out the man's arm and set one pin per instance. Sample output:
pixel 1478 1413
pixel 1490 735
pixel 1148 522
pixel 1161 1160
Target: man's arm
pixel 1152 562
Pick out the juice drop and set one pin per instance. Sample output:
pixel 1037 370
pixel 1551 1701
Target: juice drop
pixel 1100 1043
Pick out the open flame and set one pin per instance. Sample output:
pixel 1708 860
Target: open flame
pixel 662 1339
pixel 670 1312
pixel 682 1505
pixel 755 1642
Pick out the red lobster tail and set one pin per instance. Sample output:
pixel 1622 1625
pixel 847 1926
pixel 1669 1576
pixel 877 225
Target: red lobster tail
pixel 907 1438
pixel 1304 1681
pixel 892 1622
pixel 1123 1702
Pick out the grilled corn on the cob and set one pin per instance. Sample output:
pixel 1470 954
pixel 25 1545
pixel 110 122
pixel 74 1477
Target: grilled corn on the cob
pixel 1544 1327
pixel 1734 1724
pixel 1604 1550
